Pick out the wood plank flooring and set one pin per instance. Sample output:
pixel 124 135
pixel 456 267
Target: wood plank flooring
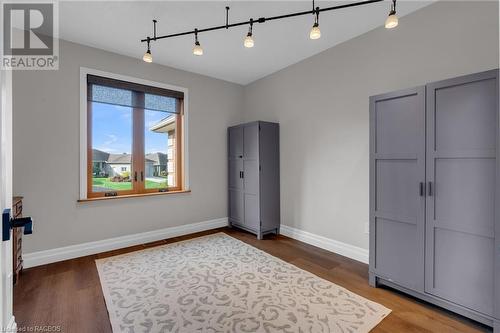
pixel 67 295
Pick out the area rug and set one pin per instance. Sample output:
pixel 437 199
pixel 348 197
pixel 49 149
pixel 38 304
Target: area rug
pixel 217 283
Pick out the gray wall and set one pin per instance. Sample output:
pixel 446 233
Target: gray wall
pixel 46 152
pixel 321 104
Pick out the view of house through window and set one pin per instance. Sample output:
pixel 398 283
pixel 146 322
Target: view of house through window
pixel 159 138
pixel 111 147
pixel 134 138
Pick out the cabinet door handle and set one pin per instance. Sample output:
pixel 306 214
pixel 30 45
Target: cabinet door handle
pixel 422 192
pixel 430 189
pixel 142 176
pixel 135 176
pixel 242 174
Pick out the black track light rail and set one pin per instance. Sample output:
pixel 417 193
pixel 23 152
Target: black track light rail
pixel 315 11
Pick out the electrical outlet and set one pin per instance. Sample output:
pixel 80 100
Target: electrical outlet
pixel 367 227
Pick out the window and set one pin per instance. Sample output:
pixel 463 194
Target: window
pixel 134 138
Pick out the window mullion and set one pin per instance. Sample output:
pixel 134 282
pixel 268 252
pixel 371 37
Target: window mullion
pixel 138 142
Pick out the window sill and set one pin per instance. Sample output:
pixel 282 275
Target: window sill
pixel 134 195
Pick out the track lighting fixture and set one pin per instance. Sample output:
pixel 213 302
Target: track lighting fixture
pixel 392 19
pixel 249 42
pixel 147 57
pixel 197 49
pixel 315 32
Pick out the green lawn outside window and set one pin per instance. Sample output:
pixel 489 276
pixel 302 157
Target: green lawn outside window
pixel 105 182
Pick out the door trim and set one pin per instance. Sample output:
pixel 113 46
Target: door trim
pixel 6 271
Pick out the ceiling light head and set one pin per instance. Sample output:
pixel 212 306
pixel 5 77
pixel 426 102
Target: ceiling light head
pixel 147 57
pixel 392 19
pixel 249 42
pixel 315 32
pixel 197 49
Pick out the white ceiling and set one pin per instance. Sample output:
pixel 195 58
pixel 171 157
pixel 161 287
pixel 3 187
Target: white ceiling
pixel 118 26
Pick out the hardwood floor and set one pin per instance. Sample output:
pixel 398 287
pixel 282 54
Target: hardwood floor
pixel 67 295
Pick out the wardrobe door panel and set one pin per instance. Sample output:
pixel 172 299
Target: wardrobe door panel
pixel 396 188
pixel 235 174
pixel 252 212
pixel 397 250
pixel 393 118
pixel 397 175
pixel 236 206
pixel 466 116
pixel 461 171
pixel 251 176
pixel 235 179
pixel 463 269
pixel 251 185
pixel 235 142
pixel 465 197
pixel 251 141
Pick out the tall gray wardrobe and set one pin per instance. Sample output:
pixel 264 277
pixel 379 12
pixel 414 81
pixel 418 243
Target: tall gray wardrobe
pixel 254 177
pixel 435 194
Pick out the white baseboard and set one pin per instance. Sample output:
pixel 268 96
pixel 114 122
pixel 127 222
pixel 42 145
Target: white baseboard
pixel 80 250
pixel 346 250
pixel 11 326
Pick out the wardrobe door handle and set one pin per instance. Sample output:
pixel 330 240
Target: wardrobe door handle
pixel 430 190
pixel 422 192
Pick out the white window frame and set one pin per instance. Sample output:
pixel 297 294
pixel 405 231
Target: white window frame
pixel 84 71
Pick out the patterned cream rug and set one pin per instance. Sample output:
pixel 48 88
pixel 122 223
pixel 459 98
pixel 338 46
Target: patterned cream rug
pixel 217 283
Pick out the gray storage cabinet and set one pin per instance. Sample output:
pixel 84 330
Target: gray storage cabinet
pixel 254 177
pixel 435 194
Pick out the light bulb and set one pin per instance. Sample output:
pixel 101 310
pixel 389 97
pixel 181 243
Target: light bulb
pixel 391 21
pixel 315 32
pixel 197 49
pixel 248 42
pixel 147 56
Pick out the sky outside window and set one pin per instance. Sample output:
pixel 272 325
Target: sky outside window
pixel 112 129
